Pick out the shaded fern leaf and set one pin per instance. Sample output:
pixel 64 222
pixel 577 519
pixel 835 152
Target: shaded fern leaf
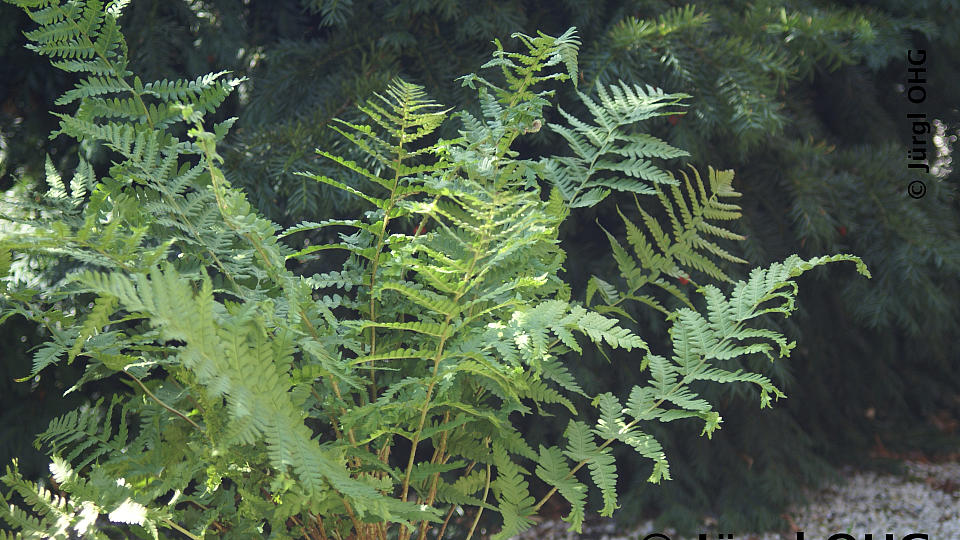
pixel 83 436
pixel 658 254
pixel 700 343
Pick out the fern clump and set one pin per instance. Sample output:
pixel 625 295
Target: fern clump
pixel 267 403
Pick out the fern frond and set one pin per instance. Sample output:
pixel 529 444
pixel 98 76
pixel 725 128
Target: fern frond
pixel 701 341
pixel 99 317
pixel 220 352
pixel 461 492
pixel 598 328
pixel 582 448
pixel 82 437
pixel 611 426
pixel 658 254
pixel 56 515
pixel 59 516
pixel 510 489
pixel 606 155
pixel 552 468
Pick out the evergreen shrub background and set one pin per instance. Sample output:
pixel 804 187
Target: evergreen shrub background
pixel 805 100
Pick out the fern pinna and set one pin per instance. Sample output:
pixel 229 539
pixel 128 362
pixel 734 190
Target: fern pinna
pixel 267 403
pixel 684 250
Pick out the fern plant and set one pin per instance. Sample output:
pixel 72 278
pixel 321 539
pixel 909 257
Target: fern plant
pixel 264 403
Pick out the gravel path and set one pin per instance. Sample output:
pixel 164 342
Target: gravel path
pixel 926 499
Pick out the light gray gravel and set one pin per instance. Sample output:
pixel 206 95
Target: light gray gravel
pixel 926 499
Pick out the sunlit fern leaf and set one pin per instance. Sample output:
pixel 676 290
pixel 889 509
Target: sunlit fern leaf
pixel 607 156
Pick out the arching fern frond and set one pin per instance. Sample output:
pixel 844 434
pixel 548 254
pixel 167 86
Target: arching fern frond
pixel 700 343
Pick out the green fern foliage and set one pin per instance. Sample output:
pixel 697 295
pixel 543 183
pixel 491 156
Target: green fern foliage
pixel 723 334
pixel 57 515
pixel 83 436
pixel 703 346
pixel 608 155
pixel 268 402
pixel 659 254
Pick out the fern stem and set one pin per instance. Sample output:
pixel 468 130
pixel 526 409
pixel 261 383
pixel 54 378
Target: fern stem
pixel 438 457
pixel 454 506
pixel 298 524
pixel 486 490
pixel 404 534
pixel 181 529
pixel 446 520
pixel 461 290
pixel 353 517
pixel 376 259
pixel 161 403
pixel 323 530
pixel 189 395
